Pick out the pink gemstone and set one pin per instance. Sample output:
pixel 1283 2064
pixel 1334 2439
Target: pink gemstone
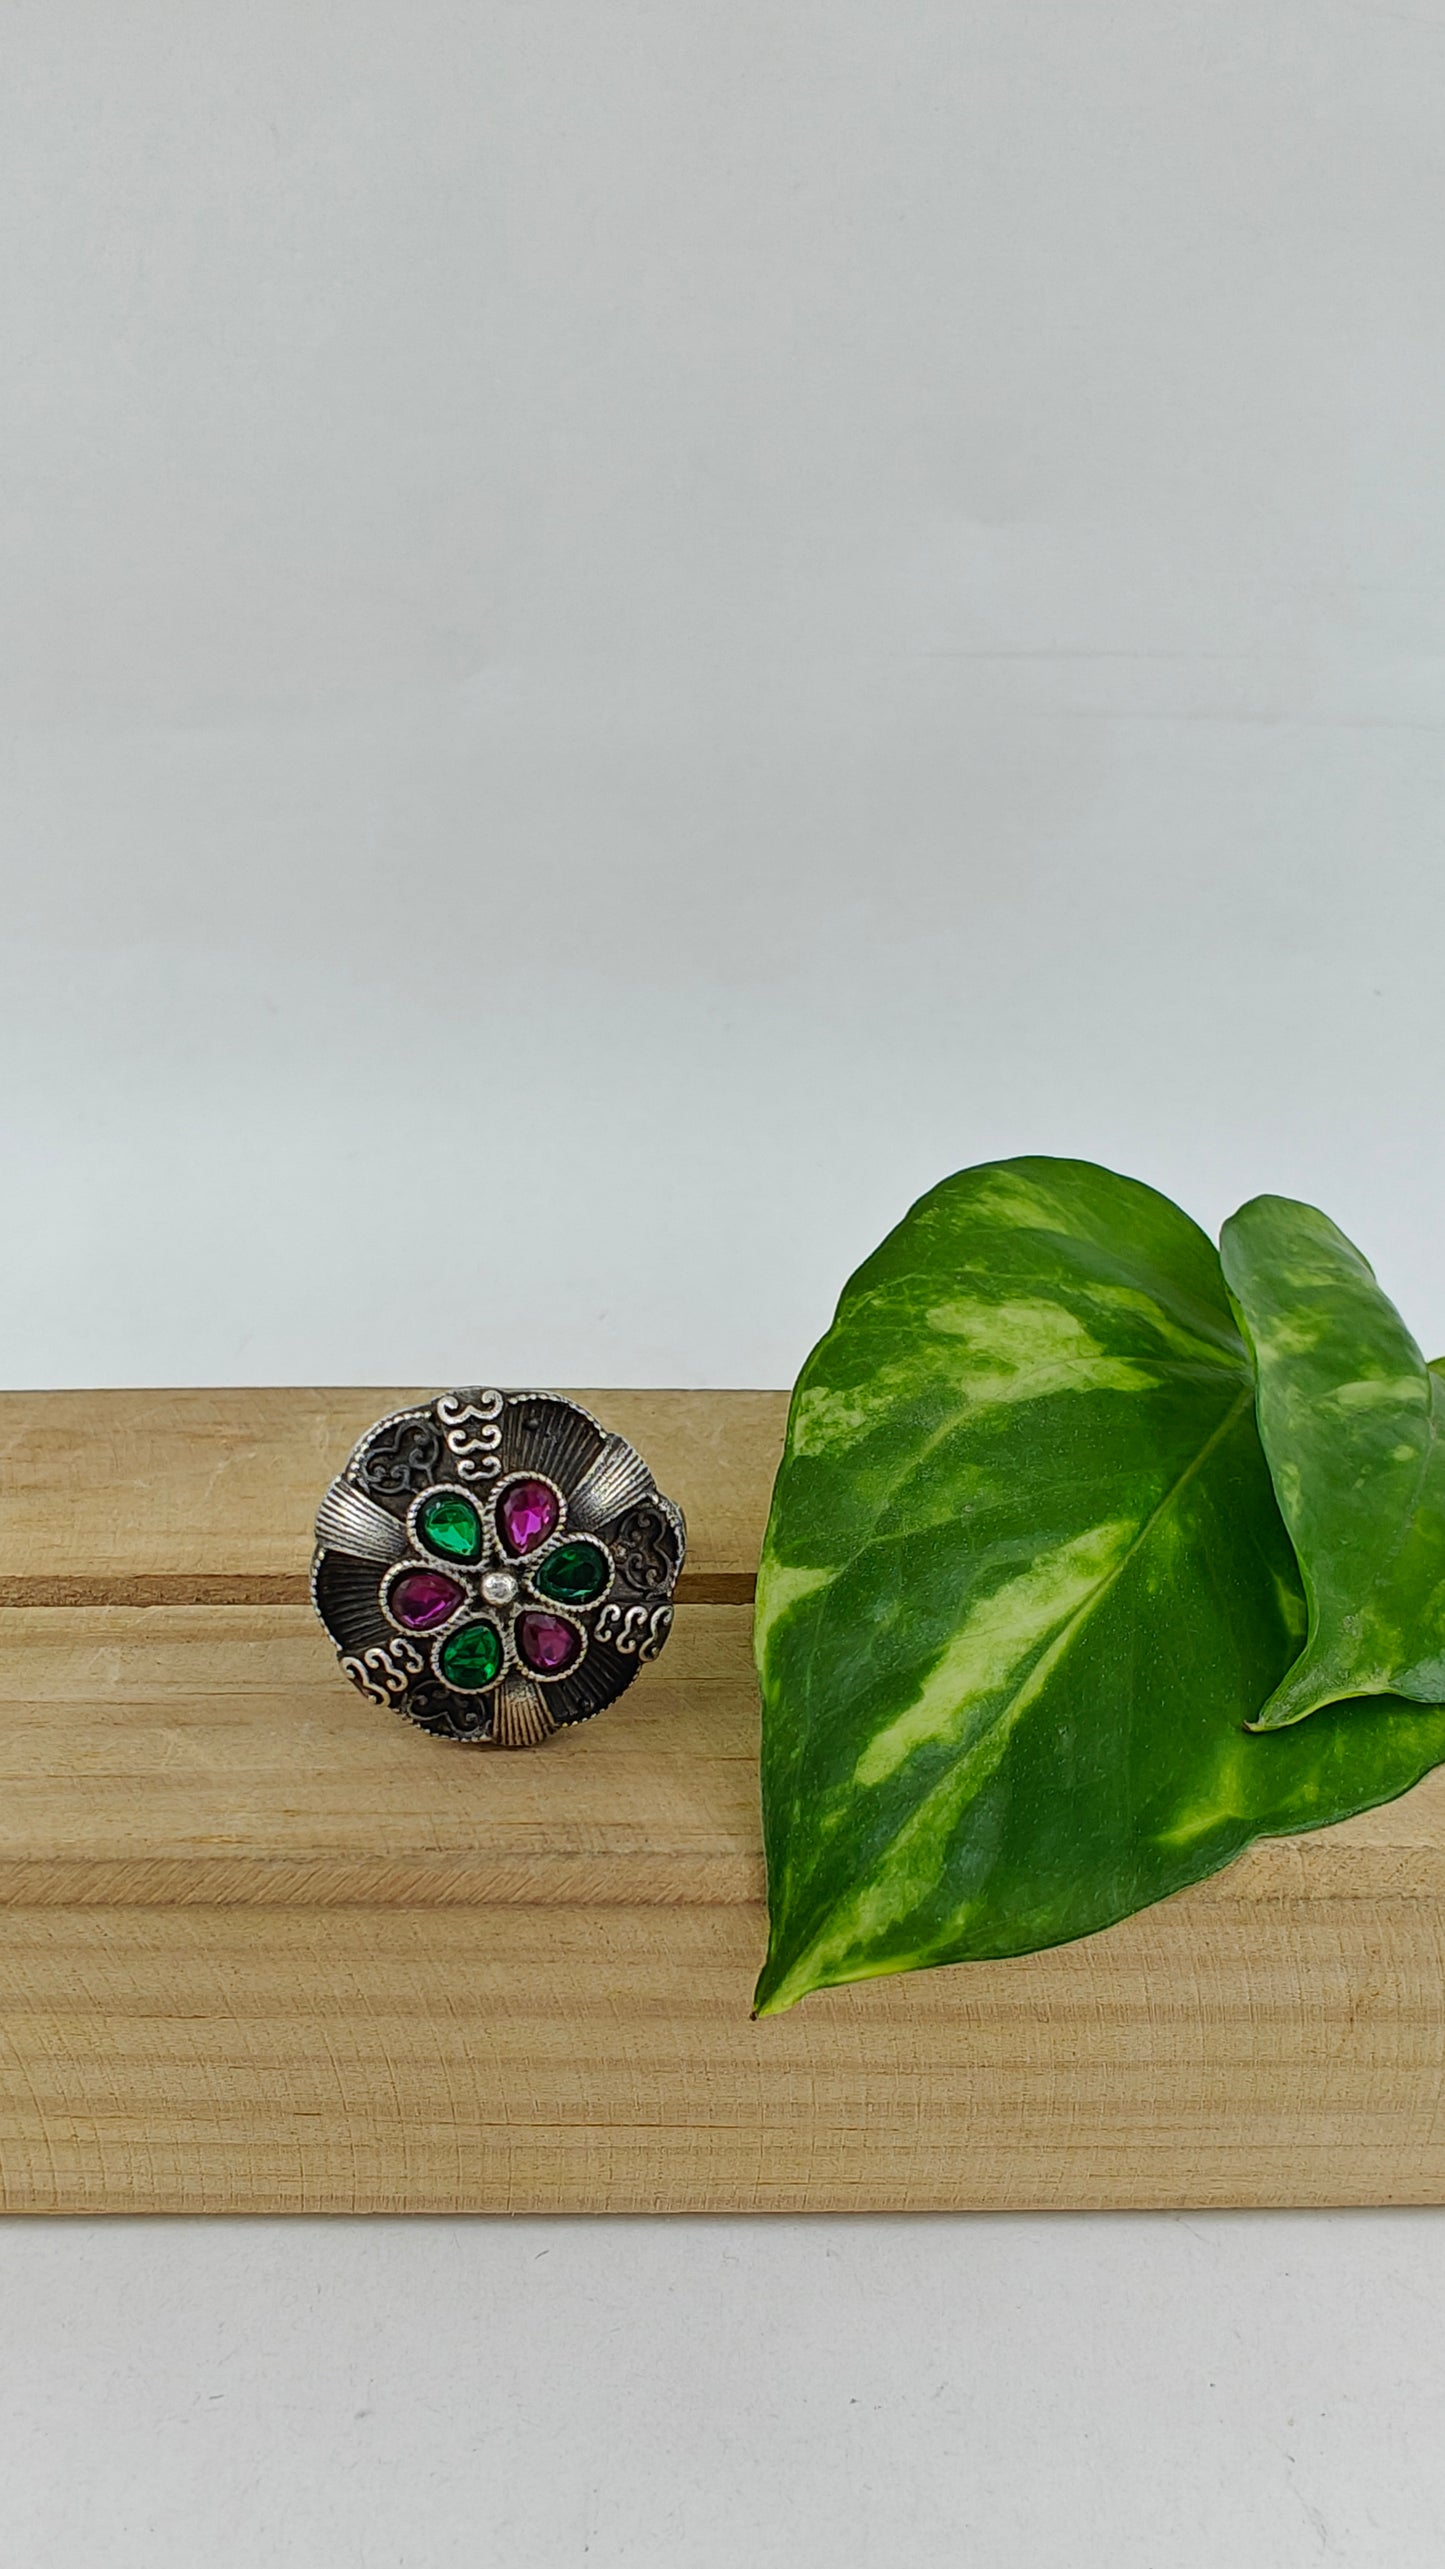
pixel 421 1598
pixel 547 1643
pixel 526 1515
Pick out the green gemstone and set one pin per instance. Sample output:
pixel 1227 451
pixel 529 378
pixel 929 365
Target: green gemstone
pixel 574 1574
pixel 449 1524
pixel 471 1658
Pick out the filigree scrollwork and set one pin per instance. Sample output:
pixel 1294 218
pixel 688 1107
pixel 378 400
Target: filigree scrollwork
pixel 645 1548
pixel 658 1629
pixel 478 1455
pixel 635 1631
pixel 386 1670
pixel 404 1458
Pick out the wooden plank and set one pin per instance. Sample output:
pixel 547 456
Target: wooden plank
pixel 266 1948
pixel 214 1754
pixel 208 1497
pixel 517 2057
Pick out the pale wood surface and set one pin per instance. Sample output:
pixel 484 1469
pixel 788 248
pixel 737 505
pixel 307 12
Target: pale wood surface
pixel 266 1948
pixel 573 2058
pixel 203 1754
pixel 208 1497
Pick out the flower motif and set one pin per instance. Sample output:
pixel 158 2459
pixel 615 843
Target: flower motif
pixel 495 1565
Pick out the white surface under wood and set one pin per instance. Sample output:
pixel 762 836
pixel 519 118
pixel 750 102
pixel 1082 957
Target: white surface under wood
pixel 1120 2390
pixel 903 541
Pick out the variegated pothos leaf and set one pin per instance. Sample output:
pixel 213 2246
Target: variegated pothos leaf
pixel 1023 1585
pixel 1353 1425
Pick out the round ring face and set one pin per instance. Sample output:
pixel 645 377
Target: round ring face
pixel 495 1565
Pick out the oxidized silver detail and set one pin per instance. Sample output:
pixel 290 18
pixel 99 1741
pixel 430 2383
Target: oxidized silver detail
pixel 657 1631
pixel 634 1629
pixel 369 1533
pixel 385 1672
pixel 349 1522
pixel 617 1479
pixel 477 1454
pixel 523 1718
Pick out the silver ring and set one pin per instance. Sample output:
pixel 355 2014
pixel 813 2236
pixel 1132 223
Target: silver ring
pixel 495 1565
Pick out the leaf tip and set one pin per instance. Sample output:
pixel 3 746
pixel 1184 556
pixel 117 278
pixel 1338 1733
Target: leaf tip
pixel 773 1996
pixel 1282 1712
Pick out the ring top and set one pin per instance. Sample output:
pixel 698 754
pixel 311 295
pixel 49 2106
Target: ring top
pixel 495 1565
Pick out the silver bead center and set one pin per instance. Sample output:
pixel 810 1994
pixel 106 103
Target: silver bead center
pixel 499 1588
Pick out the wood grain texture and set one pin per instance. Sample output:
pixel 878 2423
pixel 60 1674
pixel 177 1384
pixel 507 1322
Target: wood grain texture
pixel 266 1948
pixel 208 1497
pixel 203 1755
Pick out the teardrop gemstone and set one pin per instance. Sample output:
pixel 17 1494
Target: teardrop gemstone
pixel 471 1658
pixel 527 1513
pixel 421 1599
pixel 574 1574
pixel 448 1523
pixel 547 1644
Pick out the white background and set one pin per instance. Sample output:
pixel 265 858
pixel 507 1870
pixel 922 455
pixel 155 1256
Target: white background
pixel 627 631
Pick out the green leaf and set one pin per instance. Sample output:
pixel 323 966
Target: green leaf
pixel 1353 1424
pixel 1023 1584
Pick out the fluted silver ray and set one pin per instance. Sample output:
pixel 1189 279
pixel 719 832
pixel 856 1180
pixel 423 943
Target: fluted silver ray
pixel 523 1716
pixel 617 1478
pixel 347 1521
